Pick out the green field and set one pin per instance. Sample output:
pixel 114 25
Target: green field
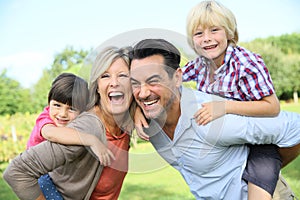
pixel 165 182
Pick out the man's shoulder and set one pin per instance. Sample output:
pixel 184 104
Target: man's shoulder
pixel 199 96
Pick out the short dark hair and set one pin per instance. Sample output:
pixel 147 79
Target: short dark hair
pixel 150 47
pixel 69 89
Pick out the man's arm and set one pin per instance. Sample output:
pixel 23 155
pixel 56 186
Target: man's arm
pixel 283 130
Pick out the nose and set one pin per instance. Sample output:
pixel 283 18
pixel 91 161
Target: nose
pixel 206 36
pixel 114 81
pixel 144 91
pixel 63 112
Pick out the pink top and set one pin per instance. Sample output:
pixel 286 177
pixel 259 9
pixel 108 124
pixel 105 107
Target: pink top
pixel 36 136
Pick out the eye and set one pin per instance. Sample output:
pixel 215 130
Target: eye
pixel 198 33
pixel 56 105
pixel 135 84
pixel 72 109
pixel 153 82
pixel 215 29
pixel 104 76
pixel 123 75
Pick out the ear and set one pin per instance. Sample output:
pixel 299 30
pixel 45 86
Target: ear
pixel 178 77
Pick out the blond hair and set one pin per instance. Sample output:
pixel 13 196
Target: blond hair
pixel 208 14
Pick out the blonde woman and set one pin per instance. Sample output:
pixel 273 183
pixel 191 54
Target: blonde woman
pixel 75 170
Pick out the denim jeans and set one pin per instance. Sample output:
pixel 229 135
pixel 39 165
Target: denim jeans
pixel 48 188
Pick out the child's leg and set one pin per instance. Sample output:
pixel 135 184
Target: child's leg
pixel 48 188
pixel 289 154
pixel 262 171
pixel 255 192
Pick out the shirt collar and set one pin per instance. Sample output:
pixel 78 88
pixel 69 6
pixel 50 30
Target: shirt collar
pixel 227 57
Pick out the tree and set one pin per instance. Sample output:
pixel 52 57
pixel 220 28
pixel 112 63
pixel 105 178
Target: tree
pixel 67 59
pixel 14 98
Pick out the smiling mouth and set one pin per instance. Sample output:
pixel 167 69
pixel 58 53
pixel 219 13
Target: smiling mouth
pixel 150 103
pixel 210 47
pixel 116 97
pixel 62 121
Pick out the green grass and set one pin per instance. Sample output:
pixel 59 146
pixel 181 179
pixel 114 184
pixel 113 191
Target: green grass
pixel 144 183
pixel 291 173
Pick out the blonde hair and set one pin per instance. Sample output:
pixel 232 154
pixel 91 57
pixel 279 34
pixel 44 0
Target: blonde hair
pixel 211 13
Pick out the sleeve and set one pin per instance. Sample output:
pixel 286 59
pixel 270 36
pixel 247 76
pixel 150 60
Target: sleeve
pixel 283 130
pixel 35 136
pixel 24 170
pixel 255 81
pixel 43 119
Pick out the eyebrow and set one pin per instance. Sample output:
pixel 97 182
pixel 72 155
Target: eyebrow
pixel 151 77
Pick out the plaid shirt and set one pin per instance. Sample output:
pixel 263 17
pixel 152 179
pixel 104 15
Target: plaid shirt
pixel 243 76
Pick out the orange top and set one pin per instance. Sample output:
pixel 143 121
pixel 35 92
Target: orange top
pixel 111 179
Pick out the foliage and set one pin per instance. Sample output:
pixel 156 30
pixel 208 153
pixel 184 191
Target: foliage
pixel 287 43
pixel 20 125
pixel 13 97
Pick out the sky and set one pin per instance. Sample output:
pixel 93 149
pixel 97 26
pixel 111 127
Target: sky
pixel 32 32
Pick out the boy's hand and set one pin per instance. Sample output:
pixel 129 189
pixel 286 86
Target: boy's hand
pixel 209 112
pixel 104 155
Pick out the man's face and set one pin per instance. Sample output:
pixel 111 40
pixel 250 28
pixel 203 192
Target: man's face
pixel 152 88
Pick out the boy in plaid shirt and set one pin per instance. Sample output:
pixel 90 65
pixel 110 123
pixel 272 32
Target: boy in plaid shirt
pixel 233 72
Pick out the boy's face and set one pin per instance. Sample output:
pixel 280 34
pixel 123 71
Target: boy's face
pixel 211 43
pixel 152 88
pixel 61 113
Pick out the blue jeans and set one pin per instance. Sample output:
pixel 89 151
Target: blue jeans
pixel 48 188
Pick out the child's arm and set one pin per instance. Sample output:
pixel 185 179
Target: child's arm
pixel 140 122
pixel 266 107
pixel 69 136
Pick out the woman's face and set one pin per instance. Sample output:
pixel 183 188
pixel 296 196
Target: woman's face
pixel 114 88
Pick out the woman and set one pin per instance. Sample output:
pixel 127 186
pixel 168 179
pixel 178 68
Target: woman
pixel 75 170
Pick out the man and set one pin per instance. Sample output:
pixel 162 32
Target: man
pixel 211 158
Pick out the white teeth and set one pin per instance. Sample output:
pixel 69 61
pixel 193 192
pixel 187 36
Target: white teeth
pixel 150 102
pixel 113 94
